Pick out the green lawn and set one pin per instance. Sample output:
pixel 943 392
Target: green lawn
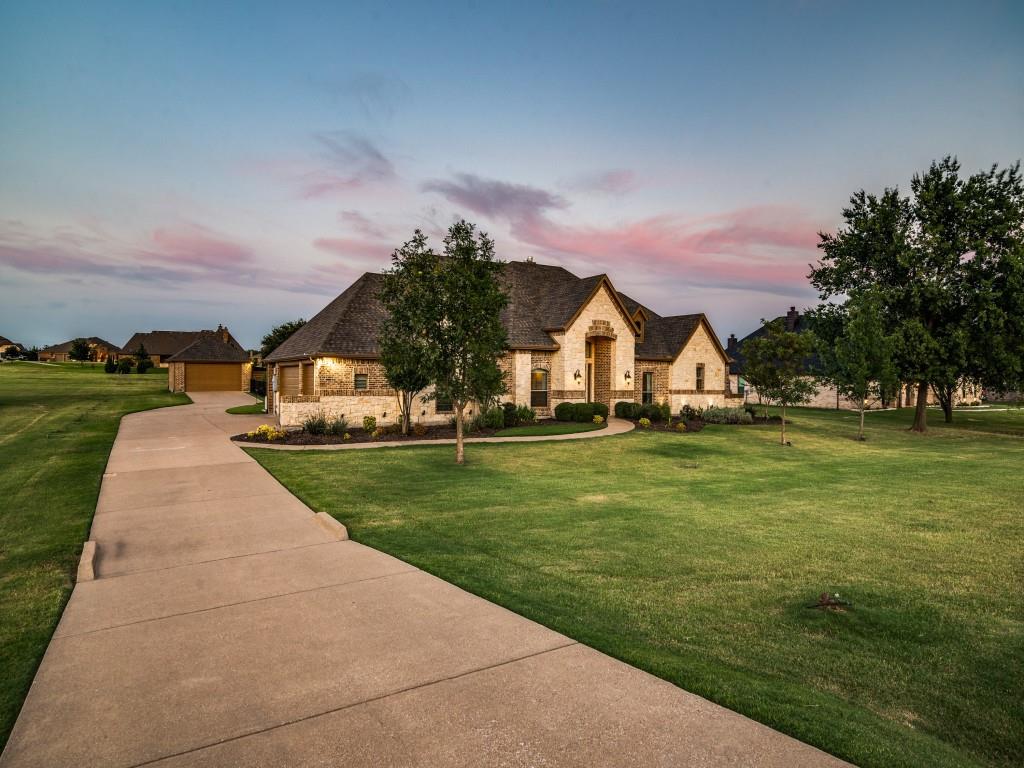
pixel 58 423
pixel 252 408
pixel 694 556
pixel 548 428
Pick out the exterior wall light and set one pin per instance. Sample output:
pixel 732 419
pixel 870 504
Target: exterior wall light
pixel 577 375
pixel 627 376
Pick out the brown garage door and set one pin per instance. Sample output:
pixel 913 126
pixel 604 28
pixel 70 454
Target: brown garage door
pixel 289 382
pixel 204 377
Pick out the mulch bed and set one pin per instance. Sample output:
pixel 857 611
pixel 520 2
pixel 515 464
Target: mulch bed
pixel 693 425
pixel 301 437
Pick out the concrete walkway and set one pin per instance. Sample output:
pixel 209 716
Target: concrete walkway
pixel 615 426
pixel 227 625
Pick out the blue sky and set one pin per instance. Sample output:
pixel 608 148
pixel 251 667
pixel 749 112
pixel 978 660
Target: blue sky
pixel 179 165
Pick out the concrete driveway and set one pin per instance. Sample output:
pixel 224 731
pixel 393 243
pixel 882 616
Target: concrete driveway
pixel 227 625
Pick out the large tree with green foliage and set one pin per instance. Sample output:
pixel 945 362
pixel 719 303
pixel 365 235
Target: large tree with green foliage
pixel 775 363
pixel 278 335
pixel 407 294
pixel 80 350
pixel 946 264
pixel 854 352
pixel 456 326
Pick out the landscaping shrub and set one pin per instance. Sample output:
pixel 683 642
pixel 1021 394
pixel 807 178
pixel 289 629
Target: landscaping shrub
pixel 747 418
pixel 645 423
pixel 601 410
pixel 681 426
pixel 511 414
pixel 369 423
pixel 494 418
pixel 419 429
pixel 124 365
pixel 583 412
pixel 725 416
pixel 337 425
pixel 110 366
pixel 665 411
pixel 144 365
pixel 267 432
pixel 652 412
pixel 525 415
pixel 620 409
pixel 689 413
pixel 564 411
pixel 315 423
pixel 598 418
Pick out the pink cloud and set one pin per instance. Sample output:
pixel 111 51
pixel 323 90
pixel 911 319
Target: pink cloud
pixel 352 246
pixel 617 181
pixel 198 247
pixel 754 247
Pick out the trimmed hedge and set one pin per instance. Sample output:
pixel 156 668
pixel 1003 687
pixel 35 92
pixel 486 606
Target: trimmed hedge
pixel 564 411
pixel 600 409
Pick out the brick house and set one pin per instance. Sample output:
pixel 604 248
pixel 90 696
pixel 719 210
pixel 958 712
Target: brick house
pixel 569 339
pixel 8 347
pixel 161 345
pixel 99 351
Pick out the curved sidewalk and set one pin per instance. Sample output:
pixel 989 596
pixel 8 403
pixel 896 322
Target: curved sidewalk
pixel 615 426
pixel 220 622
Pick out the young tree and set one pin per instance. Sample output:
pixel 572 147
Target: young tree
pixel 141 353
pixel 946 266
pixel 854 352
pixel 462 328
pixel 80 350
pixel 407 295
pixel 776 364
pixel 278 335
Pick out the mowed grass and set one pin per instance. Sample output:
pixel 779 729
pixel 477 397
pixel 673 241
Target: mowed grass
pixel 695 556
pixel 253 408
pixel 57 423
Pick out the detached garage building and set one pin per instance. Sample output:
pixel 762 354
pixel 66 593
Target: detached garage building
pixel 210 364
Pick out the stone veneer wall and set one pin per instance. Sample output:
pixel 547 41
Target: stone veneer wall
pixel 661 371
pixel 701 348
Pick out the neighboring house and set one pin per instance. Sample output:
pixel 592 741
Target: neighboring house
pixel 162 345
pixel 9 347
pixel 826 396
pixel 213 362
pixel 570 339
pixel 99 351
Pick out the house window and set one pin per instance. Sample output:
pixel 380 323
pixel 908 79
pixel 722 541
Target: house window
pixel 648 388
pixel 362 381
pixel 539 388
pixel 741 385
pixel 700 377
pixel 442 405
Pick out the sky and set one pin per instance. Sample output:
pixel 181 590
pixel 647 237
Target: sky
pixel 177 165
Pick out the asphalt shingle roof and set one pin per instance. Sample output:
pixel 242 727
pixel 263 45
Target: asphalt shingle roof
pixel 92 340
pixel 211 349
pixel 542 298
pixel 166 342
pixel 738 360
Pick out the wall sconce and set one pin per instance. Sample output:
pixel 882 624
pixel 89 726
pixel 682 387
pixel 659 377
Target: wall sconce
pixel 577 375
pixel 423 412
pixel 627 376
pixel 384 415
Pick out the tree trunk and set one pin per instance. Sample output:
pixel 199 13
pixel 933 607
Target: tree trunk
pixel 405 406
pixel 920 413
pixel 783 423
pixel 460 452
pixel 946 401
pixel 860 435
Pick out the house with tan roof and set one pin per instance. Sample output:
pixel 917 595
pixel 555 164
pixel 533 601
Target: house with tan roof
pixel 99 350
pixel 570 339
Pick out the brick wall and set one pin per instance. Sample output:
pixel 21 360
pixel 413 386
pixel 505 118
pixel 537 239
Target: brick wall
pixel 700 349
pixel 661 371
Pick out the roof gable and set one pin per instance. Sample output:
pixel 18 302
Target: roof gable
pixel 211 349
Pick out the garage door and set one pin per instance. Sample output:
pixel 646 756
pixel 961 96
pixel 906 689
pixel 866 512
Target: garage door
pixel 289 383
pixel 204 377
